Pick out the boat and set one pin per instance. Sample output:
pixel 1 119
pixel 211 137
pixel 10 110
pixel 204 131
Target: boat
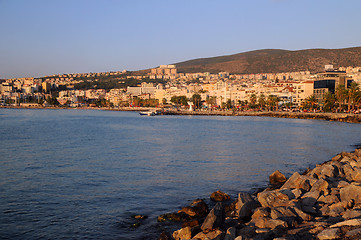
pixel 148 113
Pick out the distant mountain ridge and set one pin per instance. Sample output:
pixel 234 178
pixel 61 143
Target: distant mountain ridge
pixel 274 60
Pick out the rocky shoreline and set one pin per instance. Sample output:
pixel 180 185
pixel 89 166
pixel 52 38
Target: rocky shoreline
pixel 341 117
pixel 321 203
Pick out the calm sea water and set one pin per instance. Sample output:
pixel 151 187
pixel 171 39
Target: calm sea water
pixel 76 174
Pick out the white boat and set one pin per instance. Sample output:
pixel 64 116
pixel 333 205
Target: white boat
pixel 148 113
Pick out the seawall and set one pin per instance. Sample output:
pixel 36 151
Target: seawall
pixel 341 117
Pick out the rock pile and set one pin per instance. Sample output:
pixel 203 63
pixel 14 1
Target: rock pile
pixel 322 203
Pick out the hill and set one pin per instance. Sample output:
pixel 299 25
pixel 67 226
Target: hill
pixel 275 60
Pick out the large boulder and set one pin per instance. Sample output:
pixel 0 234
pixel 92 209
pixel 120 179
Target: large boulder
pixel 351 222
pixel 215 218
pixel 320 185
pixel 261 212
pixel 245 205
pixel 212 235
pixel 264 222
pixel 299 181
pixel 197 209
pixel 310 198
pixel 274 198
pixel 277 178
pixel 284 213
pixel 333 233
pixel 352 213
pixel 351 192
pixel 219 196
pixel 183 233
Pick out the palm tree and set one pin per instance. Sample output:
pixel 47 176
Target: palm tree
pixel 262 101
pixel 253 99
pixel 351 91
pixel 272 102
pixel 329 101
pixel 357 99
pixel 310 102
pixel 341 95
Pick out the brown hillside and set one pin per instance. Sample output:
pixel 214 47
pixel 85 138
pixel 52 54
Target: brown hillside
pixel 275 60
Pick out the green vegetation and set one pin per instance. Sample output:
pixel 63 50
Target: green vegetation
pixel 343 100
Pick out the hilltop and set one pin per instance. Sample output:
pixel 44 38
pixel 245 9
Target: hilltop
pixel 274 60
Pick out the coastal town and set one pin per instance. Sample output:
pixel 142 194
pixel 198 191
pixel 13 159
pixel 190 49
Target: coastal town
pixel 333 90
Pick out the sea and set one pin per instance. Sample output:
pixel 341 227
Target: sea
pixel 84 174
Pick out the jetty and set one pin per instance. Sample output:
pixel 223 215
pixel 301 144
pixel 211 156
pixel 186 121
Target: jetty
pixel 321 203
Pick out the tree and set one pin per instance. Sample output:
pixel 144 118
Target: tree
pixel 351 93
pixel 211 100
pixel 341 95
pixel 196 99
pixel 310 102
pixel 272 102
pixel 179 100
pixel 229 104
pixel 52 101
pixel 329 102
pixel 262 101
pixel 253 99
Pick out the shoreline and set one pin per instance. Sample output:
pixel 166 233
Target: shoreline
pixel 339 117
pixel 321 203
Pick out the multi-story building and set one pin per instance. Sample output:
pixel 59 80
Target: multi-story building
pixel 329 81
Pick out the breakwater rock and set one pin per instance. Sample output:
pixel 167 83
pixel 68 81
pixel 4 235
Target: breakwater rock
pixel 341 117
pixel 322 203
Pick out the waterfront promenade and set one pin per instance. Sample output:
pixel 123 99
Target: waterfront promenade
pixel 340 117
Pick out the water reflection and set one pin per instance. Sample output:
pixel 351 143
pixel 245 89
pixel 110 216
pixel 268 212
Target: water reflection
pixel 86 171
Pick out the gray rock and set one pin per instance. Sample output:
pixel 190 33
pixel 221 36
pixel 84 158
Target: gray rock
pixel 215 218
pixel 284 213
pixel 273 198
pixel 212 235
pixel 336 209
pixel 245 205
pixel 261 212
pixel 310 198
pixel 299 181
pixel 309 209
pixel 338 157
pixel 353 233
pixel 358 152
pixel 330 170
pixel 351 222
pixel 320 185
pixel 263 222
pixel 183 233
pixel 332 233
pixel 356 176
pixel 277 178
pixel 297 192
pixel 301 214
pixel 351 192
pixel 219 196
pixel 349 214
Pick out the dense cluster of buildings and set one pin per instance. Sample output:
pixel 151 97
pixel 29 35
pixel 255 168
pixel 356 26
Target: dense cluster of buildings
pixel 214 89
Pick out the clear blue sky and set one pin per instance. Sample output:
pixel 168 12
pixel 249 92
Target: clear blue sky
pixel 44 37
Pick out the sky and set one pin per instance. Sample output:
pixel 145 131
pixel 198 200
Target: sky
pixel 46 37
